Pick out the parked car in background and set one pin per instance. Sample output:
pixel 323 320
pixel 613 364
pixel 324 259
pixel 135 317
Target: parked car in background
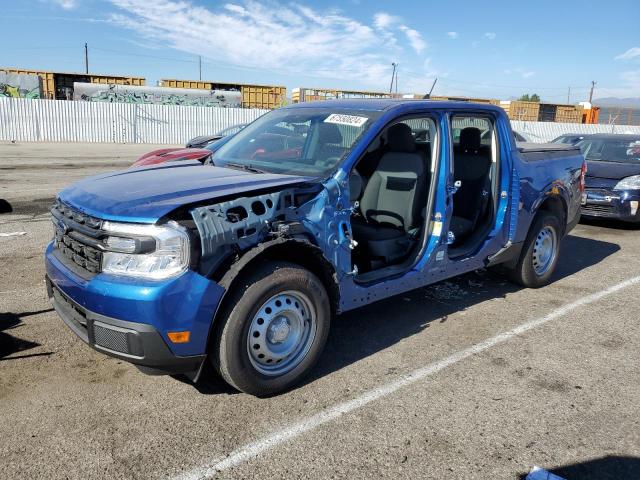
pixel 172 155
pixel 613 176
pixel 520 137
pixel 570 138
pixel 312 210
pixel 204 140
pixel 198 148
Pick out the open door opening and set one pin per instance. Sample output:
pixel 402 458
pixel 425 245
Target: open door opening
pixel 475 192
pixel 392 189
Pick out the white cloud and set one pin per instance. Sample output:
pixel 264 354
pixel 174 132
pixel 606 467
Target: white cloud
pixel 288 39
pixel 385 20
pixel 490 35
pixel 415 39
pixel 452 35
pixel 633 52
pixel 66 4
pixel 388 23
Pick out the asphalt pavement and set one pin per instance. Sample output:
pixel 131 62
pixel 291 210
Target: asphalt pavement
pixel 470 378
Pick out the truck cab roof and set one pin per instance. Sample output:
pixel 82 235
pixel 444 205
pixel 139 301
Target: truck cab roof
pixel 385 104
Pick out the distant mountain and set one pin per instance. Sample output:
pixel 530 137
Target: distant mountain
pixel 617 102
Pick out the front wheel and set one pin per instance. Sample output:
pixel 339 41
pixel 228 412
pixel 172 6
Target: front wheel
pixel 540 253
pixel 274 329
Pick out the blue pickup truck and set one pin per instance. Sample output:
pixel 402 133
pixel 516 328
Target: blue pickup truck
pixel 311 210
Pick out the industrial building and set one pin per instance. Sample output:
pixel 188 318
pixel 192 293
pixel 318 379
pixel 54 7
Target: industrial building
pixel 28 83
pixel 253 96
pixel 59 85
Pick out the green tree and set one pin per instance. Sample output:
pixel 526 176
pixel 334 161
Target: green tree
pixel 534 97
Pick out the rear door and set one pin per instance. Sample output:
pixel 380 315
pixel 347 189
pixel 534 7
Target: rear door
pixel 478 193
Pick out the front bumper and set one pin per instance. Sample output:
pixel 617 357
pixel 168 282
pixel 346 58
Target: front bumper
pixel 605 203
pixel 134 342
pixel 130 318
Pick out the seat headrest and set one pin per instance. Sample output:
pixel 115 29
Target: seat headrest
pixel 329 133
pixel 470 139
pixel 399 138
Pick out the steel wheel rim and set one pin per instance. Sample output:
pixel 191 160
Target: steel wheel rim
pixel 544 250
pixel 281 333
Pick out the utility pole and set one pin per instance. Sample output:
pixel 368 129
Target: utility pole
pixel 593 84
pixel 200 67
pixel 393 75
pixel 86 58
pixel 396 81
pixel 569 95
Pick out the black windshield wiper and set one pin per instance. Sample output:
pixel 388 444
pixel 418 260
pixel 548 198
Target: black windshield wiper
pixel 242 166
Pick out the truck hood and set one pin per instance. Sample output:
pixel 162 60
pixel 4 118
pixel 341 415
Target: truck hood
pixel 143 195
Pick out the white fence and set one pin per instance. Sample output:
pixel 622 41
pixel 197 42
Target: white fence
pixel 541 132
pixel 25 120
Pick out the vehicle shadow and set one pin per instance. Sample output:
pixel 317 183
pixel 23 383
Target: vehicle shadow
pixel 10 344
pixel 5 207
pixel 611 467
pixel 609 223
pixel 362 332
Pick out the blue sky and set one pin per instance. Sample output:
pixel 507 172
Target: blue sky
pixel 486 49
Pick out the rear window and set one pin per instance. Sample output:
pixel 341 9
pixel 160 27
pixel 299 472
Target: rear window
pixel 611 150
pixel 459 123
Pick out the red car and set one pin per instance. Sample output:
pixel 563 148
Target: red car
pixel 199 148
pixel 172 155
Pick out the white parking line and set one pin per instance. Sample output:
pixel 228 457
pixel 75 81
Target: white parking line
pixel 260 446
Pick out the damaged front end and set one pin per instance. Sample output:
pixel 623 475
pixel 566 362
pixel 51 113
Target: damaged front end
pixel 302 223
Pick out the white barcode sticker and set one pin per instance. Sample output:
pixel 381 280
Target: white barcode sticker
pixel 351 120
pixel 437 229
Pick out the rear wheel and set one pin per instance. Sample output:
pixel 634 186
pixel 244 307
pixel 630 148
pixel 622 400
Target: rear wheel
pixel 540 253
pixel 274 329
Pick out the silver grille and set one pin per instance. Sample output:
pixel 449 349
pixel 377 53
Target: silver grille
pixel 111 338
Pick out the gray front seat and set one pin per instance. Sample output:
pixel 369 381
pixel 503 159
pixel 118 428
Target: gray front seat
pixel 393 199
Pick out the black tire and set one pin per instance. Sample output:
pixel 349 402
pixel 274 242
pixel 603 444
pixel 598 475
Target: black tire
pixel 524 273
pixel 229 354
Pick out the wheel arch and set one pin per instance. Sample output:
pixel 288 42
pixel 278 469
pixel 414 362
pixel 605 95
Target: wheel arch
pixel 299 252
pixel 556 205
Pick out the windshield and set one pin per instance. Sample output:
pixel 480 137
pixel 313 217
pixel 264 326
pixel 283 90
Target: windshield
pixel 304 141
pixel 611 150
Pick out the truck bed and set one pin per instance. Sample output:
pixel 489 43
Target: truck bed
pixel 538 151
